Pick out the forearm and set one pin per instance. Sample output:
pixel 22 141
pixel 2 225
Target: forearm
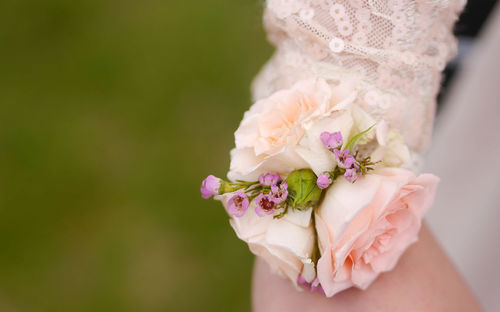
pixel 423 280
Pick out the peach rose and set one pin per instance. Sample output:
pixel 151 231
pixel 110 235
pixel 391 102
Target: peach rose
pixel 363 228
pixel 271 136
pixel 286 244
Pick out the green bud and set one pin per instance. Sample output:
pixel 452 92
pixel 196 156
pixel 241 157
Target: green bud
pixel 303 189
pixel 225 187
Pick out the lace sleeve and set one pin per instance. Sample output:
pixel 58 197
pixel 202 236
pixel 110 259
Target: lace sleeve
pixel 393 51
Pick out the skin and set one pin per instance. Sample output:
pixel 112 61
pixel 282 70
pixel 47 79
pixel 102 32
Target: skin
pixel 423 280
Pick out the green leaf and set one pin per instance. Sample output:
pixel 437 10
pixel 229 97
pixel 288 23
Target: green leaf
pixel 355 138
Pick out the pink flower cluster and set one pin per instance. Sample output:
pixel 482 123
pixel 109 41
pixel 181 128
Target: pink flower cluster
pixel 269 192
pixel 346 161
pixel 267 203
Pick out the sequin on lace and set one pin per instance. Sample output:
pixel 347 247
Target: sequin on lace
pixel 392 50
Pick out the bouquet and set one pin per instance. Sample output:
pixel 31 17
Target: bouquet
pixel 318 188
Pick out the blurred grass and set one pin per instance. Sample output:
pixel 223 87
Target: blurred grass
pixel 111 113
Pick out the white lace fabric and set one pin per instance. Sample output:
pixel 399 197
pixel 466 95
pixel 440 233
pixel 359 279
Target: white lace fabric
pixel 392 51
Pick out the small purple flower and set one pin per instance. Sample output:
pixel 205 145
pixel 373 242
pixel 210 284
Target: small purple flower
pixel 210 186
pixel 313 286
pixel 279 193
pixel 343 158
pixel 352 174
pixel 269 179
pixel 238 204
pixel 331 140
pixel 324 180
pixel 265 205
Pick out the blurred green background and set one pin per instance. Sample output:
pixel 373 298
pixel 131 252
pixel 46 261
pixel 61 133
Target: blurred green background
pixel 111 114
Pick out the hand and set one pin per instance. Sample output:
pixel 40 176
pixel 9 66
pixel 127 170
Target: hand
pixel 423 280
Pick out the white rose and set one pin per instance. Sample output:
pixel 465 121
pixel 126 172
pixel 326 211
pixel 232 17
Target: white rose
pixel 286 244
pixel 391 149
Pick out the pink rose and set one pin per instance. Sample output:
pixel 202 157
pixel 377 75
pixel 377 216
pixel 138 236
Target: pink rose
pixel 363 228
